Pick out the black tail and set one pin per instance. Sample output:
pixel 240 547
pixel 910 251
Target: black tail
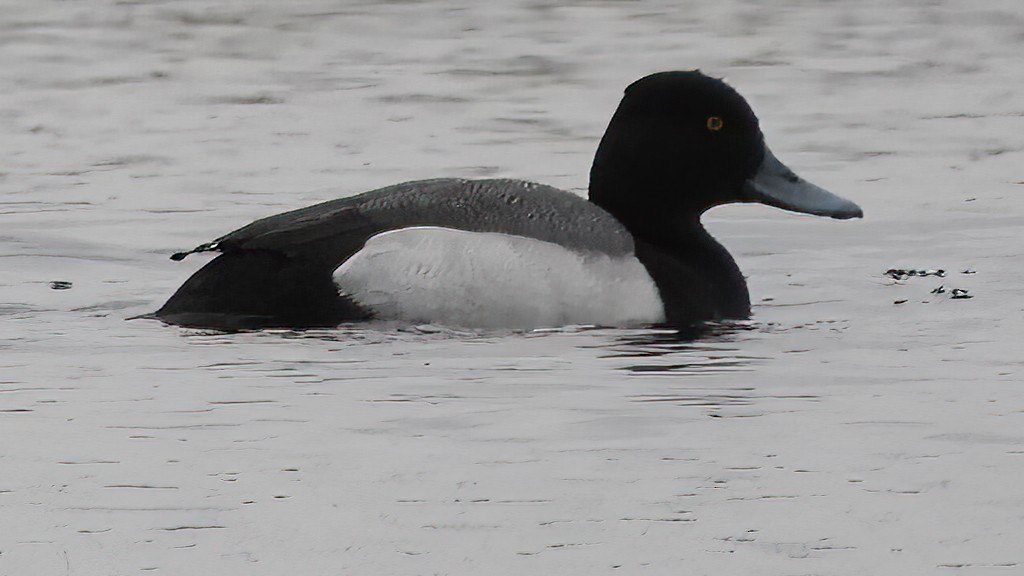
pixel 251 289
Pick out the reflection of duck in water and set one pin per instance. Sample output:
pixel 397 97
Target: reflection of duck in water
pixel 509 253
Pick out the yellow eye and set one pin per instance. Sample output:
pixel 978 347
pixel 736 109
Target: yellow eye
pixel 715 123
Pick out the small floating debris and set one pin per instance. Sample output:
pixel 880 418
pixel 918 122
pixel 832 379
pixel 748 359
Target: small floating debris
pixel 60 285
pixel 954 294
pixel 959 294
pixel 900 273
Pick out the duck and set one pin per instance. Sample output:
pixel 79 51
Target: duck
pixel 515 254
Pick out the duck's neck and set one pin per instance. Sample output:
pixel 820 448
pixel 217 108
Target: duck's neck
pixel 696 276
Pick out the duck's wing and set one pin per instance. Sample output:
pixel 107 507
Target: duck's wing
pixel 289 233
pixel 331 231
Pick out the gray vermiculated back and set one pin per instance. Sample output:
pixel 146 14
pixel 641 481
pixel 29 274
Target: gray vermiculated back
pixel 498 205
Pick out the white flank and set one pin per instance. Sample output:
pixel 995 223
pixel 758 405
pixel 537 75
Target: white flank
pixel 490 280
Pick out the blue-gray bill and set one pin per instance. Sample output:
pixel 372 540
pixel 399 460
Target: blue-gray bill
pixel 776 185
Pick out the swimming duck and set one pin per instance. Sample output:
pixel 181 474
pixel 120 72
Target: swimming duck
pixel 503 253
